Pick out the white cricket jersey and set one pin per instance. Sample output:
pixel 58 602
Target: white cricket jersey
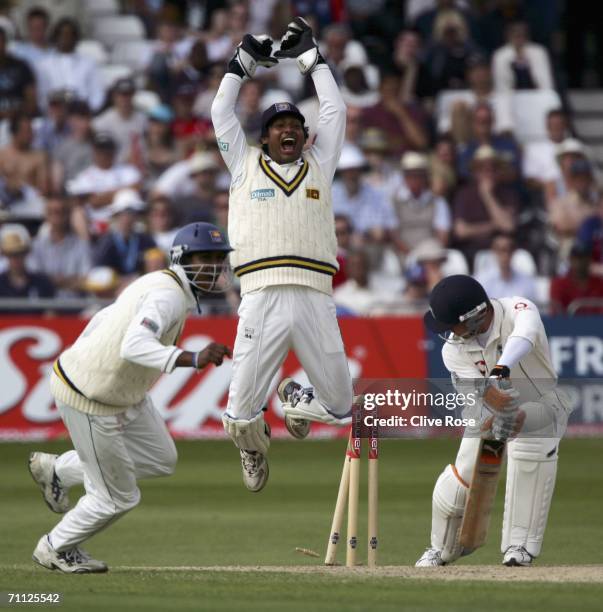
pixel 281 219
pixel 513 317
pixel 126 346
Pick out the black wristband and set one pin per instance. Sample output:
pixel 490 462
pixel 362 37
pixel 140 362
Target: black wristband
pixel 235 68
pixel 500 371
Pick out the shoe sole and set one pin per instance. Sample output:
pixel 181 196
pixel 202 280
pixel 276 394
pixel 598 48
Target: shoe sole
pixel 514 563
pixel 280 390
pixel 293 426
pixel 42 486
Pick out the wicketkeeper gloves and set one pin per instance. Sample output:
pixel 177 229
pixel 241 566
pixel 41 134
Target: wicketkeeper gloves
pixel 299 43
pixel 252 51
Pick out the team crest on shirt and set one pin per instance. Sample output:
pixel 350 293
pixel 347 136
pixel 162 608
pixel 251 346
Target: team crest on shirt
pixel 262 194
pixel 313 194
pixel 481 366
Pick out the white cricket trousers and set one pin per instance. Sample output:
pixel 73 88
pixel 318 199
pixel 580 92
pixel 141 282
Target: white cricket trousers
pixel 111 454
pixel 274 320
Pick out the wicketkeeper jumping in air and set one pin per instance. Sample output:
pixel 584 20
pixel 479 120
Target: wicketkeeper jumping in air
pixel 491 346
pixel 282 230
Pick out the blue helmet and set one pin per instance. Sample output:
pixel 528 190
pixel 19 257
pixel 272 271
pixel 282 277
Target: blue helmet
pixel 197 237
pixel 201 238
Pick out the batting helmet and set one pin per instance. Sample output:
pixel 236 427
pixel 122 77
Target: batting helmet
pixel 457 299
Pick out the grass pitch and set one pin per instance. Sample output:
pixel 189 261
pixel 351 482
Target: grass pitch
pixel 200 541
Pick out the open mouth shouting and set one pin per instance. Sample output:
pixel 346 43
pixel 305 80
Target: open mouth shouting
pixel 288 145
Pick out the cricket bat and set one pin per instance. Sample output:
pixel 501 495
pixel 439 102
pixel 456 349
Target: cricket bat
pixel 476 520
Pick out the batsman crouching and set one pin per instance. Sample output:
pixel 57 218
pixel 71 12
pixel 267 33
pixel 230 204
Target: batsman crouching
pixel 282 229
pixel 100 387
pixel 492 345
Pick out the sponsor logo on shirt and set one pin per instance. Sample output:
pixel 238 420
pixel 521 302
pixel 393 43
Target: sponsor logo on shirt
pixel 313 194
pixel 223 145
pixel 262 194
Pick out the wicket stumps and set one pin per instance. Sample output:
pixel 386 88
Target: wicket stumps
pixel 349 491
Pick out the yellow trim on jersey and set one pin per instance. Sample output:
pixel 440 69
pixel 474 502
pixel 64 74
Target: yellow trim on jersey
pixel 286 261
pixel 287 188
pixel 175 277
pixel 58 370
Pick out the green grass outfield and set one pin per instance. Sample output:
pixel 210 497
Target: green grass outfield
pixel 202 517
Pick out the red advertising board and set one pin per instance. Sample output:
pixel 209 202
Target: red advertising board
pixel 190 402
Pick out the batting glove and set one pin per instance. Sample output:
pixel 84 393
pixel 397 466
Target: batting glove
pixel 299 43
pixel 252 51
pixel 248 434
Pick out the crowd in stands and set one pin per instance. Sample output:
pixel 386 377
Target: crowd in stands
pixel 459 156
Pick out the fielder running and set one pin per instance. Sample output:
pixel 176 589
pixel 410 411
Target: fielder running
pixel 493 344
pixel 282 231
pixel 100 387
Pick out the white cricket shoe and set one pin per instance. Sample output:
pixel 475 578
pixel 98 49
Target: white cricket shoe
pixel 432 557
pixel 73 561
pixel 41 468
pixel 255 470
pixel 291 392
pixel 517 556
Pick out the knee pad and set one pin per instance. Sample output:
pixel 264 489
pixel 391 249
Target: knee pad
pixel 531 474
pixel 448 506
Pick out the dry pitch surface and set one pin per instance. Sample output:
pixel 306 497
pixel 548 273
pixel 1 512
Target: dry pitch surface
pixel 554 574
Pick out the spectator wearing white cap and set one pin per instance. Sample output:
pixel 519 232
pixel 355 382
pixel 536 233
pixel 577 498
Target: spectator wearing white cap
pixel 122 248
pixel 421 214
pixel 122 120
pixel 485 205
pixel 98 184
pixel 359 83
pixel 18 281
pixel 366 207
pixel 567 152
pixel 431 256
pixel 58 252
